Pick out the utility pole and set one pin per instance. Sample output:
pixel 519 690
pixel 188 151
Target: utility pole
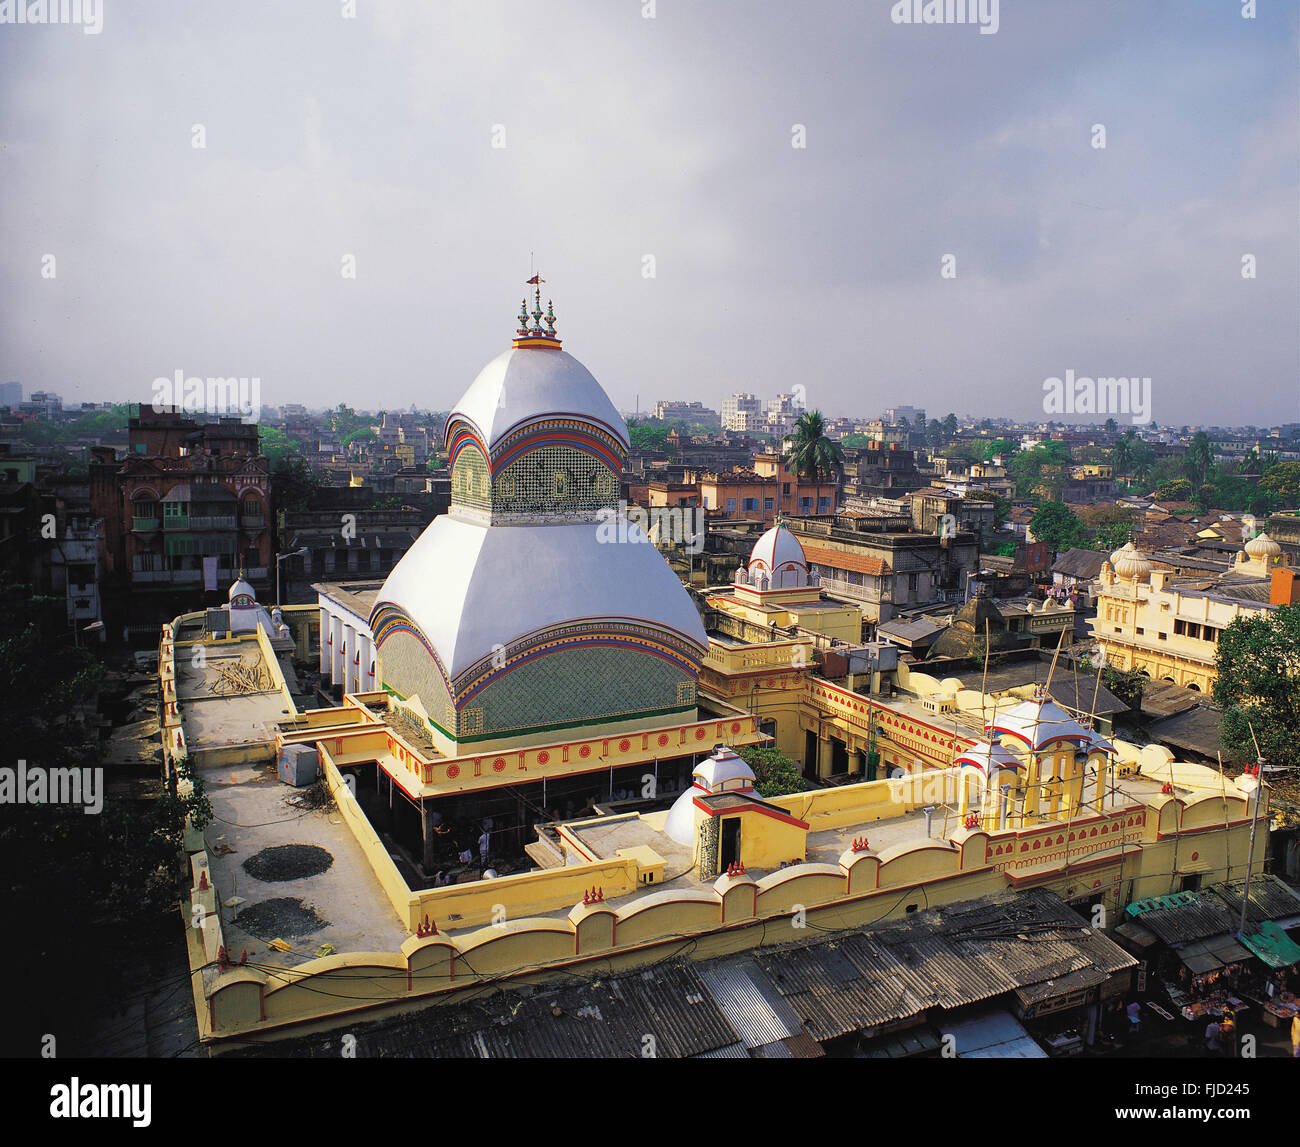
pixel 1250 860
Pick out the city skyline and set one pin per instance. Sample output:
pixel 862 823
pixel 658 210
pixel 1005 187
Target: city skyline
pixel 673 139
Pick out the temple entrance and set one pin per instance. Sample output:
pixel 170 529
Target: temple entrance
pixel 810 755
pixel 729 851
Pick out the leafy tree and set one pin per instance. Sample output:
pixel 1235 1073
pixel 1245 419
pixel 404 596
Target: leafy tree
pixel 293 482
pixel 997 446
pixel 359 437
pixel 1056 524
pixel 1179 490
pixel 644 437
pixel 1126 684
pixel 934 432
pixel 812 455
pixel 1283 479
pixel 1042 470
pixel 775 775
pixel 950 425
pixel 1198 459
pixel 121 868
pixel 1111 426
pixel 1257 686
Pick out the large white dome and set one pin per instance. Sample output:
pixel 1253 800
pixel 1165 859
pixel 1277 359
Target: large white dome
pixel 527 383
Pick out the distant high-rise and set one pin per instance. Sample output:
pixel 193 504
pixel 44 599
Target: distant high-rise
pixel 11 394
pixel 742 412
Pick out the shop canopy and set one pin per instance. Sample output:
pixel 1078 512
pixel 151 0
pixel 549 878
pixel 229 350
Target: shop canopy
pixel 1211 955
pixel 1273 946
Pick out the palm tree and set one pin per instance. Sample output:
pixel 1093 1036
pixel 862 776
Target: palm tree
pixel 812 455
pixel 1121 455
pixel 1198 459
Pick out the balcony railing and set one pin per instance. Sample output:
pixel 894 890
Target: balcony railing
pixel 212 521
pixel 252 521
pixel 144 523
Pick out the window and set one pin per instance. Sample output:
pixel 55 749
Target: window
pixel 769 503
pixel 1140 631
pixel 823 504
pixel 751 504
pixel 1180 627
pixel 785 488
pixel 731 505
pixel 805 504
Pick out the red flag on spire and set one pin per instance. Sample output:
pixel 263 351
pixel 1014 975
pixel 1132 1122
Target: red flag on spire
pixel 536 280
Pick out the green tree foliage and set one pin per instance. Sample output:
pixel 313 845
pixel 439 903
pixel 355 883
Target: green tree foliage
pixel 646 437
pixel 1257 686
pixel 75 882
pixel 950 424
pixel 293 482
pixel 92 424
pixel 1283 481
pixel 1042 471
pixel 1056 524
pixel 812 455
pixel 1179 490
pixel 997 446
pixel 1198 459
pixel 775 775
pixel 1126 684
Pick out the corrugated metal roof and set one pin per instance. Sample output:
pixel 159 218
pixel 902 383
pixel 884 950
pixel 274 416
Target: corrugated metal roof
pixel 756 1010
pixel 1270 899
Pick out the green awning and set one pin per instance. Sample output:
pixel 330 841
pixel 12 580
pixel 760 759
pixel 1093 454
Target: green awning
pixel 1273 946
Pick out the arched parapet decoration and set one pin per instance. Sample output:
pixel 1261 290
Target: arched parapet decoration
pixel 236 1000
pixel 739 896
pixel 497 950
pixel 668 912
pixel 595 928
pixel 910 863
pixel 862 870
pixel 430 962
pixel 800 885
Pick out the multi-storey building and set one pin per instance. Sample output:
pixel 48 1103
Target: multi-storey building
pixel 743 413
pixel 1167 626
pixel 187 508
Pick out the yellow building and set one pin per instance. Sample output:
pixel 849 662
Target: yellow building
pixel 1167 626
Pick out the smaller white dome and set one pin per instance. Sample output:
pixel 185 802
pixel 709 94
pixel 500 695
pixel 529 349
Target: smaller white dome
pixel 779 555
pixel 1263 548
pixel 241 587
pixel 724 771
pixel 1130 562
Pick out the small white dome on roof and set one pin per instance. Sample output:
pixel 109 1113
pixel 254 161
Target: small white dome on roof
pixel 241 588
pixel 779 555
pixel 724 771
pixel 1263 548
pixel 1130 562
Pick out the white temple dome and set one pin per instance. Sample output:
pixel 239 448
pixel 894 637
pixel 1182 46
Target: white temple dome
pixel 526 383
pixel 239 588
pixel 779 555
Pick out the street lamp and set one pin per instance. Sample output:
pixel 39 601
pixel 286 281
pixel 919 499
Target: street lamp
pixel 296 553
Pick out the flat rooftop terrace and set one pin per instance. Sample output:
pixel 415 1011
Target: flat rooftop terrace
pixel 230 698
pixel 254 815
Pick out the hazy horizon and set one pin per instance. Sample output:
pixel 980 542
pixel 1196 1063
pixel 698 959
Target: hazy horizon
pixel 328 137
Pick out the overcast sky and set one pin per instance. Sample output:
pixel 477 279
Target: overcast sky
pixel 671 137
